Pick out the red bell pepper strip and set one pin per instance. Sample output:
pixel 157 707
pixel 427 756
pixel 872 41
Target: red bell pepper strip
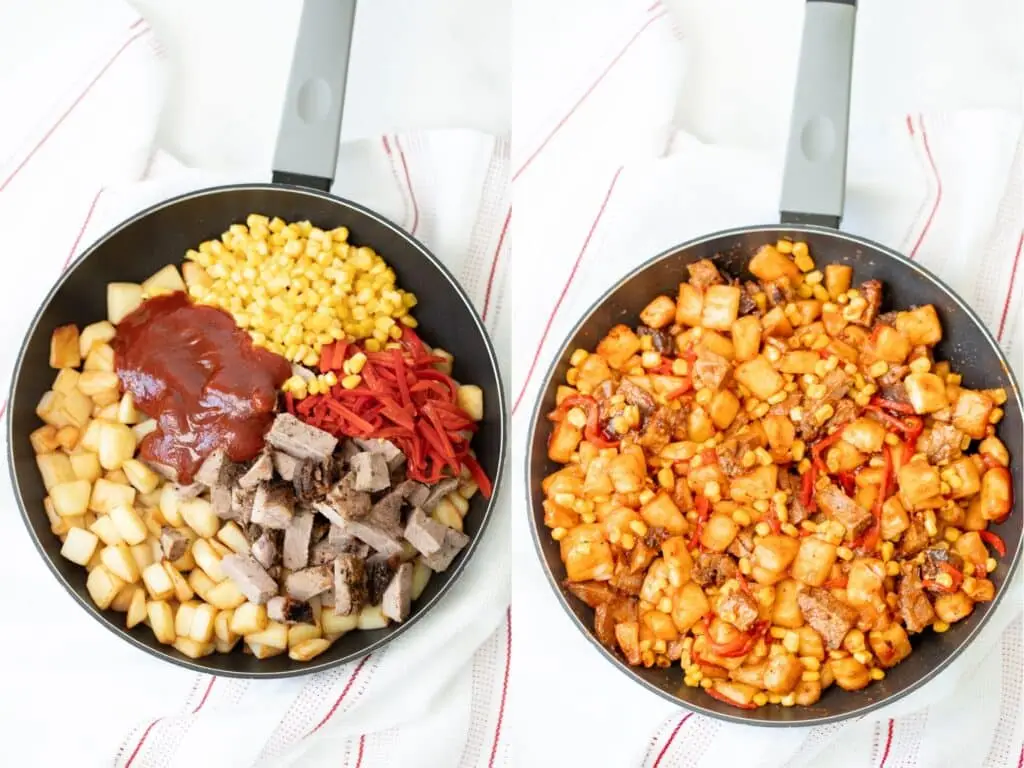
pixel 289 402
pixel 479 476
pixel 714 693
pixel 703 507
pixel 708 457
pixel 807 486
pixel 819 447
pixel 681 390
pixel 839 582
pixel 994 541
pixel 893 405
pixel 954 574
pixel 849 482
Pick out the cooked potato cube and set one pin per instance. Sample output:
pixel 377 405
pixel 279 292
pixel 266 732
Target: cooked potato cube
pixel 768 264
pixel 202 584
pixel 799 362
pixel 137 608
pixel 850 674
pixel 759 483
pixel 119 561
pixel 249 618
pixel 996 494
pixel 126 413
pixel 103 586
pixel 86 465
pixel 67 437
pixel 372 617
pixel 864 434
pixel 161 620
pixel 261 651
pixel 814 561
pixel 96 333
pixel 64 347
pixel 274 634
pixel 182 589
pixel 139 475
pixel 926 391
pixel 199 515
pixel 90 440
pixel 71 498
pixel 44 439
pixel 775 323
pixel 586 554
pixel 143 554
pixel 195 274
pixel 659 313
pixel 786 610
pixel 79 546
pixel 224 595
pixel 166 280
pixel 891 345
pixel 107 495
pixel 50 408
pixel 202 623
pixel 55 469
pixel 222 627
pixel 781 432
pixel 775 553
pixel 122 300
pixel 183 617
pixel 782 673
pixel 721 307
pixel 918 482
pixel 565 438
pixel 952 608
pixel 335 624
pixel 963 478
pixel 837 279
pixel 894 519
pixel 661 511
pixel 309 649
pixel 92 383
pixel 891 645
pixel 718 533
pixel 689 305
pixel 759 377
pixel 471 399
pixel 746 337
pixel 105 529
pixel 101 358
pixel 723 408
pixel 299 633
pixel 971 412
pixel 619 346
pixel 207 559
pixel 420 578
pixel 143 428
pixel 157 582
pixel 117 444
pixel 191 648
pixel 66 381
pixel 234 538
pixel 920 326
pixel 129 524
pixel 170 502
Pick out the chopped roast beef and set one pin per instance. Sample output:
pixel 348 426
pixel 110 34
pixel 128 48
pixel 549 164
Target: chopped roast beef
pixel 593 593
pixel 215 469
pixel 397 598
pixel 834 502
pixel 264 549
pixel 222 500
pixel 887 318
pixel 661 425
pixel 349 584
pixel 791 482
pixel 346 451
pixel 378 576
pixel 710 369
pixel 748 305
pixel 783 408
pixel 165 471
pixel 261 469
pixel 424 533
pixel 288 611
pixel 371 472
pixel 829 616
pixel 837 384
pixel 636 395
pixel 454 541
pixel 321 527
pixel 382 538
pixel 914 539
pixel 308 582
pixel 742 545
pixel 625 579
pixel 300 440
pixel 416 494
pixel 344 503
pixel 660 341
pixel 273 506
pixel 937 560
pixel 173 543
pixel 296 541
pixel 915 609
pixel 704 274
pixel 891 386
pixel 714 569
pixel 607 615
pixel 391 453
pixel 388 511
pixel 327 599
pixel 438 491
pixel 941 443
pixel 241 505
pixel 250 578
pixel 739 609
pixel 778 291
pixel 871 292
pixel 731 451
pixel 845 411
pixel 323 552
pixel 284 465
pixel 313 479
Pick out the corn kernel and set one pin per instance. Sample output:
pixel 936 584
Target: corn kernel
pixel 892 568
pixel 810 676
pixel 741 518
pixel 791 642
pixel 665 605
pixel 940 626
pixel 760 699
pixel 646 496
pixel 666 478
pixel 650 359
pixel 351 382
pixel 877 674
pixel 810 663
pixel 802 257
pixel 680 367
pixel 863 657
pixel 558 534
pixel 638 527
pixel 628 541
pixel 745 567
pixel 844 553
pixel 576 417
pixel 991 564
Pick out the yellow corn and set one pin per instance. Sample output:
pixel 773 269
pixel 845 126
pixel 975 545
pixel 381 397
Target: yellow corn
pixel 940 626
pixel 579 356
pixel 991 564
pixel 802 257
pixel 791 642
pixel 760 699
pixel 892 568
pixel 351 382
pixel 877 674
pixel 558 534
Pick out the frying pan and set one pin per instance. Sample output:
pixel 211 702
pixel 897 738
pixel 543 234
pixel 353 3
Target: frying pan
pixel 812 204
pixel 304 161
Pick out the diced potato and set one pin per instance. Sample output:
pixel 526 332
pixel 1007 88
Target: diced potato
pixel 79 546
pixel 420 578
pixel 107 495
pixel 963 478
pixel 335 624
pixel 739 694
pixel 782 673
pixel 799 362
pixel 718 533
pixel 891 645
pixel 119 561
pixel 71 498
pixel 103 586
pixel 50 408
pixel 470 398
pixel 101 358
pixel 126 413
pixel 44 439
pixel 768 264
pixel 170 505
pixel 699 425
pixel 891 345
pixel 202 623
pixel 144 555
pixel 191 648
pixel 161 620
pixel 90 440
pixel 207 559
pixel 66 381
pixel 129 524
pixel 143 428
pixel 619 346
pixel 222 549
pixel 201 583
pixel 689 606
pixel 864 434
pixel 92 383
pixel 299 633
pixel 894 519
pixel 183 617
pixel 920 326
pixel 105 529
pixel 195 274
pixel 971 412
pixel 746 337
pixel 309 649
pixel 261 651
pixel 723 408
pixel 565 438
pixel 224 595
pixel 86 465
pixel 55 469
pixel 249 618
pixel 689 305
pixel 814 561
pixel 661 511
pixel 776 324
pixel 918 482
pixel 591 372
pixel 659 313
pixel 137 608
pixel 117 444
pixel 775 553
pixel 64 347
pixel 122 300
pixel 952 608
pixel 759 377
pixel 234 538
pixel 786 610
pixel 850 674
pixel 157 582
pixel 274 634
pixel 182 589
pixel 96 333
pixel 199 515
pixel 446 514
pixel 837 279
pixel 721 307
pixel 759 483
pixel 139 475
pixel 926 391
pixel 222 627
pixel 166 280
pixel 996 494
pixel 781 433
pixel 586 554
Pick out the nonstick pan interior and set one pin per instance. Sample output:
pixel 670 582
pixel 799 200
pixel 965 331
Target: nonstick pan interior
pixel 966 344
pixel 160 236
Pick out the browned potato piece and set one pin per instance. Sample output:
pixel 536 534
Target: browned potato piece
pixel 920 326
pixel 44 439
pixel 865 435
pixel 738 693
pixel 564 440
pixel 980 591
pixel 891 345
pixel 993 447
pixel 759 377
pixel 723 408
pixel 768 264
pixel 746 337
pixel 971 412
pixel 591 372
pixel 690 605
pixel 894 519
pixel 689 305
pixel 782 673
pixel 718 533
pixel 659 313
pixel 799 362
pixel 775 553
pixel 721 307
pixel 759 483
pixel 781 433
pixel 749 674
pixel 850 674
pixel 963 478
pixel 776 324
pixel 662 512
pixel 713 341
pixel 838 278
pixel 952 608
pixel 926 391
pixel 699 425
pixel 996 494
pixel 618 346
pixel 786 611
pixel 64 347
pixel 891 645
pixel 814 561
pixel 586 554
pixel 918 482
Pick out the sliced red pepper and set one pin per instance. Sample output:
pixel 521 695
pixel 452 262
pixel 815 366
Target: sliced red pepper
pixel 955 575
pixel 994 541
pixel 714 693
pixel 893 405
pixel 708 457
pixel 703 507
pixel 338 355
pixel 681 390
pixel 819 447
pixel 848 481
pixel 839 582
pixel 807 481
pixel 289 402
pixel 479 476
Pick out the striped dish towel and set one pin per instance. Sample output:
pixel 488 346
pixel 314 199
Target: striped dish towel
pixel 594 200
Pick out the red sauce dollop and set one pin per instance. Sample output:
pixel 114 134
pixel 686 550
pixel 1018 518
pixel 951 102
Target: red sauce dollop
pixel 198 374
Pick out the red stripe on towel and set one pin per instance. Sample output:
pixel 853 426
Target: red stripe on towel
pixel 494 264
pixel 938 188
pixel 888 738
pixel 149 728
pixel 1009 292
pixel 81 230
pixel 408 183
pixel 344 692
pixel 671 738
pixel 504 686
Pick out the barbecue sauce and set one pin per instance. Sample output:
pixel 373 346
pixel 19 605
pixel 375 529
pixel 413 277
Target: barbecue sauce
pixel 197 373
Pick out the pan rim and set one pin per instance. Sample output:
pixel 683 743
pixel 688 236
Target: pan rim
pixel 453 574
pixel 535 423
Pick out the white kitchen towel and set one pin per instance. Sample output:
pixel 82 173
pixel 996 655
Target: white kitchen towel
pixel 944 187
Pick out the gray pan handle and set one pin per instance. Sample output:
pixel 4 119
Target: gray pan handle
pixel 307 141
pixel 814 179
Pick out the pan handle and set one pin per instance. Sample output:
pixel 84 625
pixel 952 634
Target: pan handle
pixel 814 179
pixel 307 141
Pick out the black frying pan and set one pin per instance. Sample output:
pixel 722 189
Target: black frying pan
pixel 812 206
pixel 305 161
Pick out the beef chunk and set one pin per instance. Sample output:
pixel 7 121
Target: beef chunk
pixel 371 472
pixel 438 491
pixel 273 506
pixel 424 533
pixel 261 469
pixel 264 549
pixel 313 479
pixel 349 584
pixel 891 386
pixel 838 506
pixel 828 616
pixel 397 599
pixel 344 503
pixel 284 465
pixel 250 578
pixel 454 541
pixel 915 610
pixel 378 576
pixel 845 411
pixel 241 505
pixel 391 453
pixel 748 305
pixel 222 500
pixel 778 291
pixel 660 341
pixel 323 552
pixel 321 527
pixel 636 395
pixel 783 408
pixel 300 440
pixel 739 609
pixel 309 582
pixel 790 481
pixel 593 593
pixel 709 370
pixel 214 469
pixel 607 615
pixel 837 384
pixel 288 611
pixel 704 274
pixel 731 451
pixel 935 559
pixel 415 493
pixel 714 569
pixel 914 539
pixel 173 543
pixel 887 318
pixel 871 292
pixel 661 425
pixel 941 443
pixel 742 545
pixel 388 512
pixel 625 580
pixel 296 541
